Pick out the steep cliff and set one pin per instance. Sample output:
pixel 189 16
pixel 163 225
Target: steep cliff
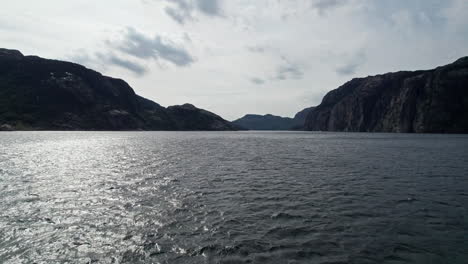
pixel 432 101
pixel 42 94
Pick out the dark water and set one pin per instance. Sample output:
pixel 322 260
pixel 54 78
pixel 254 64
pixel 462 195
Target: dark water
pixel 241 197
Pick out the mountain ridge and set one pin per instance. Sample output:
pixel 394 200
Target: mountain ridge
pixel 44 94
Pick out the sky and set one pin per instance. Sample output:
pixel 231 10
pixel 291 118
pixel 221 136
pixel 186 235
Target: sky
pixel 237 57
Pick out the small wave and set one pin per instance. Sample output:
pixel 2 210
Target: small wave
pixel 285 216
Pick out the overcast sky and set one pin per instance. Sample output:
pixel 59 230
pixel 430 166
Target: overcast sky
pixel 235 57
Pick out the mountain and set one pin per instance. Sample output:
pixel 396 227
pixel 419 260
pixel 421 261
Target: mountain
pixel 272 122
pixel 430 101
pixel 264 122
pixel 300 118
pixel 42 94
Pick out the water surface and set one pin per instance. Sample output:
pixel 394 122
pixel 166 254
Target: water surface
pixel 233 197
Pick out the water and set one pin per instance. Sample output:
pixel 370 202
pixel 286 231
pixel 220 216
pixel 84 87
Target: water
pixel 233 197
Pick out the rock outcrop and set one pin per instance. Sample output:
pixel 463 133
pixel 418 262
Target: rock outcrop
pixel 431 101
pixel 42 94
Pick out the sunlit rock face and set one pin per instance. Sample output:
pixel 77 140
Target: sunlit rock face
pixel 433 101
pixel 37 93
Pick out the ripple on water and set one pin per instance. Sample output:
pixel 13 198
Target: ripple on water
pixel 240 197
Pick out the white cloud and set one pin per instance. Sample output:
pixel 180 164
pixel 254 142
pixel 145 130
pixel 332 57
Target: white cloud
pixel 185 10
pixel 156 47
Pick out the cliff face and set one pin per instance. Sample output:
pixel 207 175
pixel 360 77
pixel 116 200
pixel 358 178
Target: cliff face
pixel 433 101
pixel 43 94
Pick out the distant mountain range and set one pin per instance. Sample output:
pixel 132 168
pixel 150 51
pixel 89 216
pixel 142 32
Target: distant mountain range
pixel 271 122
pixel 42 94
pixel 264 122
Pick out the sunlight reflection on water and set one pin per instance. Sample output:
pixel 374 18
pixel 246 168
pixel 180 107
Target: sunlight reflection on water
pixel 235 197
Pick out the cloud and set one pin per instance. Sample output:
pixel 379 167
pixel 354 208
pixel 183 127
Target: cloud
pixel 352 65
pixel 209 7
pixel 81 57
pixel 322 6
pixel 101 61
pixel 123 63
pixel 347 69
pixel 184 10
pixel 286 70
pixel 141 46
pixel 256 80
pixel 256 49
pixel 289 71
pixel 6 25
pixel 177 15
pixel 180 10
pixel 456 17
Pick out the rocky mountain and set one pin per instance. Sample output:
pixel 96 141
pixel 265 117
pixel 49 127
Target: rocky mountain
pixel 430 101
pixel 42 94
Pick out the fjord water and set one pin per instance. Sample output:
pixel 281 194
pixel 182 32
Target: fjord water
pixel 233 197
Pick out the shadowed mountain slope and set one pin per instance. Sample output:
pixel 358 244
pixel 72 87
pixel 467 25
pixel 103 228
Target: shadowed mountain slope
pixel 42 94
